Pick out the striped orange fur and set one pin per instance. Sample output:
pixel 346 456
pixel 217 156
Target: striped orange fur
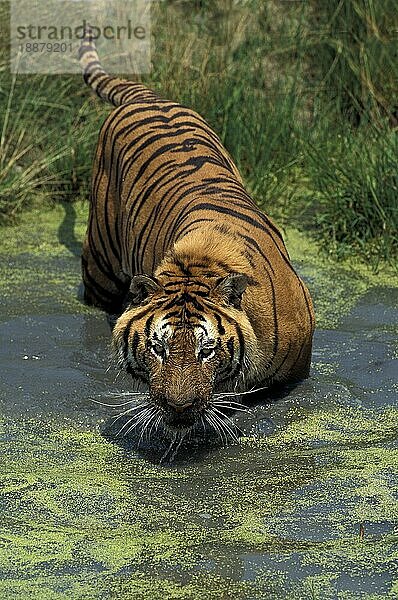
pixel 207 296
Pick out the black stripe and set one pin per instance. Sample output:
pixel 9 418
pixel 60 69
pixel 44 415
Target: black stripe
pixel 84 48
pixel 91 78
pixel 193 315
pixel 126 335
pixel 150 137
pixel 134 345
pixel 220 327
pixel 227 211
pixel 108 273
pixel 185 230
pixel 93 63
pixel 167 121
pixel 249 240
pixel 230 346
pixel 173 313
pixel 242 349
pixel 306 302
pixel 111 298
pixel 114 122
pixel 279 368
pixel 185 283
pixel 148 324
pixel 152 119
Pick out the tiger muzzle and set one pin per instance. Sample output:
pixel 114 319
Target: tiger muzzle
pixel 180 413
pixel 179 407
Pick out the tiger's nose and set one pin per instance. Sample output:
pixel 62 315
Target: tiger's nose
pixel 178 407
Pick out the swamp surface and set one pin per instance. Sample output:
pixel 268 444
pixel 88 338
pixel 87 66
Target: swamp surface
pixel 304 506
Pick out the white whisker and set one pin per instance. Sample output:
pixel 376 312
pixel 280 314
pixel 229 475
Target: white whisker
pixel 153 421
pixel 182 436
pixel 230 394
pixel 130 410
pixel 210 418
pixel 203 423
pixel 226 418
pixel 155 425
pixel 135 423
pixel 117 375
pixel 136 419
pixel 112 405
pixel 145 428
pixel 169 448
pixel 123 394
pixel 223 424
pixel 232 406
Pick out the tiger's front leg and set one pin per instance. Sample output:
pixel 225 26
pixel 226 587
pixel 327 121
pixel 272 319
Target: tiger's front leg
pixel 105 285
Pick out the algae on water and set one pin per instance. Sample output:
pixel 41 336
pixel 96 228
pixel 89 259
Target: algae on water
pixel 278 515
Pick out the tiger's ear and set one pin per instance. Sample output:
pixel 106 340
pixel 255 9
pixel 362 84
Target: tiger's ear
pixel 231 288
pixel 141 287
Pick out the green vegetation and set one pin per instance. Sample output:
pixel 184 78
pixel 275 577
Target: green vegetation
pixel 277 516
pixel 303 94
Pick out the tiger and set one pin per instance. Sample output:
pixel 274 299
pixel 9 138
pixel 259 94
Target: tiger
pixel 206 301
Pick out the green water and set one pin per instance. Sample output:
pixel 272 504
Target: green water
pixel 304 506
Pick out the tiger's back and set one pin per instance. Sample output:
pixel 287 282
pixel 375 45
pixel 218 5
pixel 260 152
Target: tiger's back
pixel 169 203
pixel 154 161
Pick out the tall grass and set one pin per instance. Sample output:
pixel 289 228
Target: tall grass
pixel 354 207
pixel 354 57
pixel 48 127
pixel 46 144
pixel 24 170
pixel 303 95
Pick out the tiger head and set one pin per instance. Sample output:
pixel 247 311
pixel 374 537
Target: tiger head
pixel 186 338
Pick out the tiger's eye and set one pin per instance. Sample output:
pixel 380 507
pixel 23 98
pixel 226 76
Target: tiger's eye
pixel 206 352
pixel 158 349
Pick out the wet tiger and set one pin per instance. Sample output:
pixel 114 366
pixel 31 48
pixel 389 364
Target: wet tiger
pixel 200 277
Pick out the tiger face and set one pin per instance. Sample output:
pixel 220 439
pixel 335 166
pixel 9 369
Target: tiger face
pixel 185 340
